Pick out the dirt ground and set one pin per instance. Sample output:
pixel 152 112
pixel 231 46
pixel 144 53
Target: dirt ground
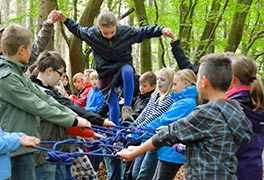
pixel 179 175
pixel 102 173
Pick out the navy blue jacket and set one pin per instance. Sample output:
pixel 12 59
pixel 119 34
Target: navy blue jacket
pixel 110 55
pixel 250 155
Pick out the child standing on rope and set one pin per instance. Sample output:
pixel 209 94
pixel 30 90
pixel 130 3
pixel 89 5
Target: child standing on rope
pixel 111 44
pixel 212 132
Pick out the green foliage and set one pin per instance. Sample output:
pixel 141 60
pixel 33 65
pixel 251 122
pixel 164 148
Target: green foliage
pixel 169 16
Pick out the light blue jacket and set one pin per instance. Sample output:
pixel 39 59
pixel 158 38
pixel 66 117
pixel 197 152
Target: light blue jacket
pixel 184 103
pixel 95 100
pixel 8 142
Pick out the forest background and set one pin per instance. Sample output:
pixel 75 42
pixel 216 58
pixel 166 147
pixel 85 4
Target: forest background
pixel 204 26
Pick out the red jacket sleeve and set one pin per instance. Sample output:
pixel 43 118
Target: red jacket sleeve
pixel 76 131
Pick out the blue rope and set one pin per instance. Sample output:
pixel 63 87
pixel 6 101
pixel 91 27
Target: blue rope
pixel 114 135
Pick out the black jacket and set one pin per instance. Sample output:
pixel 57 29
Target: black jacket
pixel 140 102
pixel 182 61
pixel 110 55
pixel 94 118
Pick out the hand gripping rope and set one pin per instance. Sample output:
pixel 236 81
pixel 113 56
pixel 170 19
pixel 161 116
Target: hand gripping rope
pixel 118 135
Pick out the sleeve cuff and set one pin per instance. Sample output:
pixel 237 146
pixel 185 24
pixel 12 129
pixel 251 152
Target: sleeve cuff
pixel 75 122
pixel 175 43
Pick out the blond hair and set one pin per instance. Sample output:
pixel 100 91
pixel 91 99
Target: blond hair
pixel 186 75
pixel 76 76
pixel 93 74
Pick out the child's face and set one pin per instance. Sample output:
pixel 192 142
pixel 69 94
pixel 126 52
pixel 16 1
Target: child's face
pixel 162 82
pixel 145 87
pixel 178 84
pixel 78 84
pixel 94 82
pixel 65 80
pixel 108 32
pixel 54 76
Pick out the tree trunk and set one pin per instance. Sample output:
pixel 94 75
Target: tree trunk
pixel 213 20
pixel 238 22
pixel 45 7
pixel 186 23
pixel 145 51
pixel 77 59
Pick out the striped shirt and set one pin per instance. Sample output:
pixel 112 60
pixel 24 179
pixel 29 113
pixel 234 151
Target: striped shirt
pixel 213 133
pixel 154 109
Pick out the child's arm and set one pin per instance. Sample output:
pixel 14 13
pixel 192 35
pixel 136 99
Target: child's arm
pixel 182 61
pixel 44 36
pixel 131 153
pixel 11 141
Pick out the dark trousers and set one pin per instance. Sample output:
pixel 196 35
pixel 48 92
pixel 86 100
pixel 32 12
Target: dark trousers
pixel 166 170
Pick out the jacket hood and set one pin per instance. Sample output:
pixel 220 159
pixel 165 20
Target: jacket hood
pixel 190 91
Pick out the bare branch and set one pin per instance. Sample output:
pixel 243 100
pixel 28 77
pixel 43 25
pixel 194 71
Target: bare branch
pixel 129 11
pixel 64 34
pixel 258 55
pixel 253 39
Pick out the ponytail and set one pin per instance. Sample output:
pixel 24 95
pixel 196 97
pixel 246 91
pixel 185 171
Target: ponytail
pixel 256 93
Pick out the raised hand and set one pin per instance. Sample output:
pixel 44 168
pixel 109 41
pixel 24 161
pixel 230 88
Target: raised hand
pixel 53 17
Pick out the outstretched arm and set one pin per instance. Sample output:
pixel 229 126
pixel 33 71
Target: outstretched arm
pixel 182 61
pixel 134 151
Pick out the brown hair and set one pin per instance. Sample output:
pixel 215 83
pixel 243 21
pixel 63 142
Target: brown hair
pixel 149 77
pixel 106 19
pixel 217 68
pixel 52 59
pixel 14 36
pixel 245 70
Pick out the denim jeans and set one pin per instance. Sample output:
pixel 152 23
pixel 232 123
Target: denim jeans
pixel 51 172
pixel 23 167
pixel 145 166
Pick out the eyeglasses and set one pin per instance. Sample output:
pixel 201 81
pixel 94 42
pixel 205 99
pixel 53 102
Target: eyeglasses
pixel 58 72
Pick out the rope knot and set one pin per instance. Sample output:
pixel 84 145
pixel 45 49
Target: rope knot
pixel 57 157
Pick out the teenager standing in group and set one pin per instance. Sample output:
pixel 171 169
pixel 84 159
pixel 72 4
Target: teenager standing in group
pixel 112 47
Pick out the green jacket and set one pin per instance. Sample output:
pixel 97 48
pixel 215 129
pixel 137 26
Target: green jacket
pixel 22 104
pixel 41 42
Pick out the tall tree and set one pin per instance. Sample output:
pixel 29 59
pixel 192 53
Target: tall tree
pixel 45 7
pixel 212 22
pixel 238 23
pixel 77 57
pixel 145 50
pixel 186 11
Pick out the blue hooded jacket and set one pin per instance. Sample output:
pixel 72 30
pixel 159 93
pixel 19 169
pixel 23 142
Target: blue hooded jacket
pixel 184 103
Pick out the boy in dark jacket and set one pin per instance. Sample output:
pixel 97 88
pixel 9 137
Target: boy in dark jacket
pixel 147 85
